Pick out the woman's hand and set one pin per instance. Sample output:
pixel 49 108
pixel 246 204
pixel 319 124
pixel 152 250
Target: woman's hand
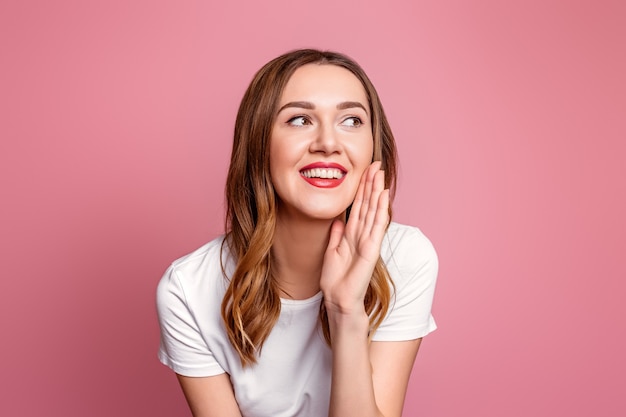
pixel 354 248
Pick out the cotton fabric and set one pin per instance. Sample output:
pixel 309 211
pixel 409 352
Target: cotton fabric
pixel 292 376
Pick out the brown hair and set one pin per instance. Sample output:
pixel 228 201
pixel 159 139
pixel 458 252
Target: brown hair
pixel 251 304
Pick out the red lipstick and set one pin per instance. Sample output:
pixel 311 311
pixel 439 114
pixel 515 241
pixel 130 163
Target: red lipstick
pixel 319 182
pixel 324 165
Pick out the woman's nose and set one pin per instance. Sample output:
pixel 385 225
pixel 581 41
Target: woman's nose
pixel 326 140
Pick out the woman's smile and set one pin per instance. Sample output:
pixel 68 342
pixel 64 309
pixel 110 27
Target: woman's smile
pixel 323 175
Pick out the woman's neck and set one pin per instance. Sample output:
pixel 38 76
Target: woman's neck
pixel 298 253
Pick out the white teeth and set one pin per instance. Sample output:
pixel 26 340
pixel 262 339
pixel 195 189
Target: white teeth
pixel 323 173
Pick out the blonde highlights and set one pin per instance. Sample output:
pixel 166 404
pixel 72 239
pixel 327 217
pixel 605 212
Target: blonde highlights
pixel 251 304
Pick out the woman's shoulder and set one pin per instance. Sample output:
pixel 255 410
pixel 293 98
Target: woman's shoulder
pixel 207 262
pixel 402 237
pixel 412 263
pixel 407 249
pixel 195 276
pixel 211 249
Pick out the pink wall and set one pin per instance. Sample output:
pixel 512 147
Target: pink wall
pixel 115 122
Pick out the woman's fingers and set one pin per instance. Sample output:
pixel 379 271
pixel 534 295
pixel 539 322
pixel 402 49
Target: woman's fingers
pixel 369 175
pixel 381 218
pixel 367 204
pixel 368 179
pixel 355 211
pixel 336 233
pixel 377 187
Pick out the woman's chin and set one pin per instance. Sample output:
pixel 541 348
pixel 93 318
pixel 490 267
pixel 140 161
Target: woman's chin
pixel 315 213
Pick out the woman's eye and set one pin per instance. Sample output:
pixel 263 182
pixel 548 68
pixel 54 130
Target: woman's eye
pixel 352 122
pixel 299 121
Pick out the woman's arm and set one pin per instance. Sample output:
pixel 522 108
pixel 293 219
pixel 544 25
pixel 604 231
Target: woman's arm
pixel 392 363
pixel 368 379
pixel 211 396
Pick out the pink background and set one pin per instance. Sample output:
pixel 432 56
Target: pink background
pixel 116 120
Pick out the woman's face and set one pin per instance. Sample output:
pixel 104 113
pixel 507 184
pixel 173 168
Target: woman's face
pixel 321 142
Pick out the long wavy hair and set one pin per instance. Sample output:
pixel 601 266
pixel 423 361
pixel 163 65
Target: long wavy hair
pixel 251 304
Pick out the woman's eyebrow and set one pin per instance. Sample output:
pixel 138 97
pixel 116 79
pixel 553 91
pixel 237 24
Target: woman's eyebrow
pixel 298 104
pixel 310 106
pixel 350 105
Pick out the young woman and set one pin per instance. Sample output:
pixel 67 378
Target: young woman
pixel 313 303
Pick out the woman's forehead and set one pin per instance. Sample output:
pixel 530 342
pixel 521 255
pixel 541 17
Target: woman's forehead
pixel 323 83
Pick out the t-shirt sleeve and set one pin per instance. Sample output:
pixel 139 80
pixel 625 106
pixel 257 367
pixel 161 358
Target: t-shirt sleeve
pixel 413 265
pixel 182 347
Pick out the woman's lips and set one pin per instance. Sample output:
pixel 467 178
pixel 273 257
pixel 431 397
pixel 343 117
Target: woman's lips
pixel 324 174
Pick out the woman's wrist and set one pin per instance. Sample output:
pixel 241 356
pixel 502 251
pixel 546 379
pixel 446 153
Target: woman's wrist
pixel 353 321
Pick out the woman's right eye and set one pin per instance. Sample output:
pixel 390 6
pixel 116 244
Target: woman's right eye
pixel 299 121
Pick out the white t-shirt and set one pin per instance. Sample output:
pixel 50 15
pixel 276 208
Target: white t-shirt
pixel 292 375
